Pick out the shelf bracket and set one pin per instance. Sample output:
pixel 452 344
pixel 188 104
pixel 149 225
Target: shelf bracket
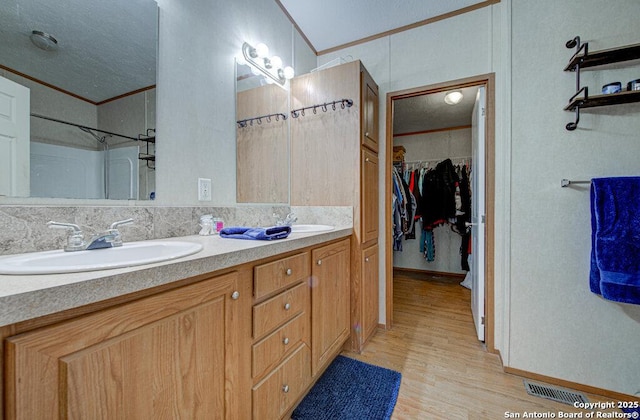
pixel 573 125
pixel 575 42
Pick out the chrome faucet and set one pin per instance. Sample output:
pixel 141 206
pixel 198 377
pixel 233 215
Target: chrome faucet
pixel 108 239
pixel 287 221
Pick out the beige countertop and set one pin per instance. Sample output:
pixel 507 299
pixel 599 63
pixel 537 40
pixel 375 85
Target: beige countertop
pixel 24 297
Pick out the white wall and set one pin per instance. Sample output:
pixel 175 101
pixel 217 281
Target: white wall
pixel 196 90
pixel 558 327
pixel 547 320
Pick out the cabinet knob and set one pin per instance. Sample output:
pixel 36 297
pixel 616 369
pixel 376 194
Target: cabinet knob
pixel 285 388
pixel 289 271
pixel 287 306
pixel 366 134
pixel 285 341
pixel 366 259
pixel 235 295
pixel 366 159
pixel 319 262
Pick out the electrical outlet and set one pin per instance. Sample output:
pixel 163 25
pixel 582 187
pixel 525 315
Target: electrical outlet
pixel 204 189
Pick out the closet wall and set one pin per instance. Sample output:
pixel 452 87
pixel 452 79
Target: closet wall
pixel 434 147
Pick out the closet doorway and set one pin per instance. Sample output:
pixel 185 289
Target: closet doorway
pixel 415 107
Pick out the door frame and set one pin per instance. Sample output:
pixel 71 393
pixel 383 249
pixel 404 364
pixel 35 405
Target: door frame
pixel 488 81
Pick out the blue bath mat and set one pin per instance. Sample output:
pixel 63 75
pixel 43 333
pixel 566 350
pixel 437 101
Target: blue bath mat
pixel 635 412
pixel 350 389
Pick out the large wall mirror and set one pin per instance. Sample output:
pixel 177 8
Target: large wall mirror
pixel 90 70
pixel 262 138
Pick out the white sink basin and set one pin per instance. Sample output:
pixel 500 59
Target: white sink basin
pixel 128 255
pixel 311 228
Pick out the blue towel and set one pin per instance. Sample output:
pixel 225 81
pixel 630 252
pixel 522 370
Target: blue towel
pixel 261 234
pixel 615 238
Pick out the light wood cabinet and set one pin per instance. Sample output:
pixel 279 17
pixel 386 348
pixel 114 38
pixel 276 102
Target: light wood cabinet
pixel 282 388
pixel 369 112
pixel 329 302
pixel 369 198
pixel 204 350
pixel 177 354
pixel 281 365
pixel 370 291
pixel 334 162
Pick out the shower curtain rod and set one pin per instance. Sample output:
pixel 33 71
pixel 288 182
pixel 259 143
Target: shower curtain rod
pixel 83 126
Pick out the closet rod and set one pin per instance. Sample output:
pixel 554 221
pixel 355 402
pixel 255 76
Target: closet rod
pixel 411 162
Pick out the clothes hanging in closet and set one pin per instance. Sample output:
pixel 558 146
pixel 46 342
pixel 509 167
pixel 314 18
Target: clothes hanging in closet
pixel 442 196
pixel 404 210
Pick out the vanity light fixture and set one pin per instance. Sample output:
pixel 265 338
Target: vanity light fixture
pixel 44 41
pixel 270 67
pixel 453 98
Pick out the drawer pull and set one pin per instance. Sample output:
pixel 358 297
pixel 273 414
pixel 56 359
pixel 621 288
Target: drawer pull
pixel 235 295
pixel 285 341
pixel 285 388
pixel 289 271
pixel 319 262
pixel 287 306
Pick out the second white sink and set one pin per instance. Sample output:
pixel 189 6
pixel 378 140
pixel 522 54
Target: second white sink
pixel 311 228
pixel 128 255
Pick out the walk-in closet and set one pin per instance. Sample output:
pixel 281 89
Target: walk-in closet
pixel 432 170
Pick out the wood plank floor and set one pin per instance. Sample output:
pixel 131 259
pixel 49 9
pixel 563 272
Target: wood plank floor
pixel 446 371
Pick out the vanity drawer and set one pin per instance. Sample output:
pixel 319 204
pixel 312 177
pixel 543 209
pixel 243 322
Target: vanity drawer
pixel 280 274
pixel 273 312
pixel 268 352
pixel 277 393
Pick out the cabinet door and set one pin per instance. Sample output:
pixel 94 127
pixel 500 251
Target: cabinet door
pixel 330 290
pixel 369 112
pixel 171 355
pixel 369 196
pixel 369 292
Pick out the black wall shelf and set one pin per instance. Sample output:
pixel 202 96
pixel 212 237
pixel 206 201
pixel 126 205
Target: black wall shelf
pixel 585 59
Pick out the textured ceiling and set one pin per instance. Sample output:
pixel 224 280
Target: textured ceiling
pixel 331 23
pixel 430 112
pixel 105 48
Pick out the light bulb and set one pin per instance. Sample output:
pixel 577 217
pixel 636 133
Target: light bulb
pixel 288 72
pixel 276 62
pixel 453 98
pixel 262 50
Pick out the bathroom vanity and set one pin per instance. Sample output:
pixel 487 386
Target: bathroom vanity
pixel 198 337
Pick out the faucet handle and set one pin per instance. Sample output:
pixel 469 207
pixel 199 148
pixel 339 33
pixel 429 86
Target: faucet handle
pixel 113 230
pixel 115 225
pixel 58 225
pixel 75 240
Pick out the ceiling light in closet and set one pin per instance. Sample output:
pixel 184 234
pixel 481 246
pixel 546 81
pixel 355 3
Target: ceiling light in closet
pixel 453 98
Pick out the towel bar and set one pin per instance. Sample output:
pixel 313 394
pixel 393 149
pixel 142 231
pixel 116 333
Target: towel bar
pixel 566 182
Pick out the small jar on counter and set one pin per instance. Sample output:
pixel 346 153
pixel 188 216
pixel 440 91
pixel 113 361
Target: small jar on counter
pixel 207 226
pixel 218 224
